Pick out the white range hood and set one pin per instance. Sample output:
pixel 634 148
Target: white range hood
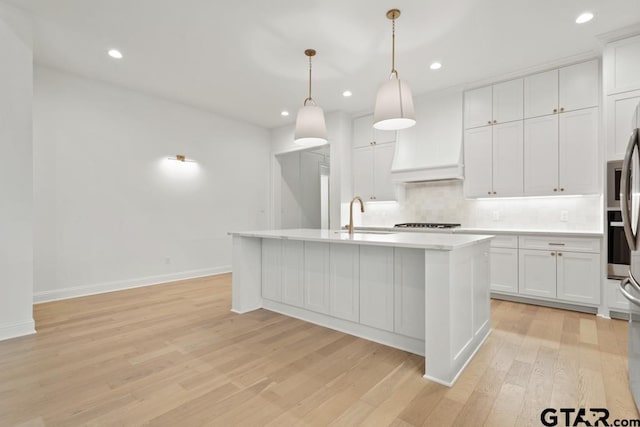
pixel 432 149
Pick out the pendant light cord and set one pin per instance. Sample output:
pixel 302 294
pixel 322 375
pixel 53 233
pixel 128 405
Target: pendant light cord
pixel 393 48
pixel 309 98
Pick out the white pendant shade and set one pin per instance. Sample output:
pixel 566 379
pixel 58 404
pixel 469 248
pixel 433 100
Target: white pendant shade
pixel 310 126
pixel 394 106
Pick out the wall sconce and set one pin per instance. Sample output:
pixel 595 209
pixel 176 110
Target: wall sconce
pixel 181 158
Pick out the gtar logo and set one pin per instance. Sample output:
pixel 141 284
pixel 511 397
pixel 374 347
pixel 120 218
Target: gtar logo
pixel 575 417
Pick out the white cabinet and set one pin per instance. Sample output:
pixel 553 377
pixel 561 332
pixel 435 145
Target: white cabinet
pixel 478 160
pixel 541 155
pixel 579 86
pixel 500 103
pixel 508 101
pixel 344 284
pixel 316 276
pixel 504 264
pixel 493 160
pixel 620 110
pixel 292 272
pixel 409 279
pixel 507 159
pixel 561 154
pixel 578 165
pixel 569 275
pixel 478 107
pixel 541 94
pixel 622 66
pixel 537 273
pixel 376 287
pixel 372 172
pixel 578 277
pixel 364 134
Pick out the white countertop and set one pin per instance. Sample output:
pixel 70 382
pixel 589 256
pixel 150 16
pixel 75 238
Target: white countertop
pixel 403 239
pixel 511 231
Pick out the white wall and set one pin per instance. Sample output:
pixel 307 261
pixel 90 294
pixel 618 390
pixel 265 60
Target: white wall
pixel 16 207
pixel 111 211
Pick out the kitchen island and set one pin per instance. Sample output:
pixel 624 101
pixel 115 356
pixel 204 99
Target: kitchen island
pixel 426 293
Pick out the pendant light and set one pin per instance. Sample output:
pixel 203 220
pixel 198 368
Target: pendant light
pixel 394 103
pixel 310 126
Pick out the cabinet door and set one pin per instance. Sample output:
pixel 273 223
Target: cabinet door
pixel 622 65
pixel 579 154
pixel 344 284
pixel 478 106
pixel 272 269
pixel 363 131
pixel 292 272
pixel 383 188
pixel 362 162
pixel 508 101
pixel 541 94
pixel 579 86
pixel 537 273
pixel 579 277
pixel 316 276
pixel 477 162
pixel 508 159
pixel 620 110
pixel 541 156
pixel 376 287
pixel 409 292
pixel 504 270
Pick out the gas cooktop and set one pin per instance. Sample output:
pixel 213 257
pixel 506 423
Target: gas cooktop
pixel 426 225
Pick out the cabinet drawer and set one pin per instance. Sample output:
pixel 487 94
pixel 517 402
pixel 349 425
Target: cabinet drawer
pixel 505 242
pixel 571 244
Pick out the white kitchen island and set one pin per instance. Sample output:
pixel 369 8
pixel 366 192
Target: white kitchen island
pixel 421 292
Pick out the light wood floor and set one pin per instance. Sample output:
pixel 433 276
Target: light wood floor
pixel 174 355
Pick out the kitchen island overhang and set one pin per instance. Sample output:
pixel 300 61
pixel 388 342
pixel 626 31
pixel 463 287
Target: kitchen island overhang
pixel 424 293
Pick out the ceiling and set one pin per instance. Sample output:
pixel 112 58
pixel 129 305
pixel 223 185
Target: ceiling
pixel 245 59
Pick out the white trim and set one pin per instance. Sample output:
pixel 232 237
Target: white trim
pixel 100 288
pixel 17 329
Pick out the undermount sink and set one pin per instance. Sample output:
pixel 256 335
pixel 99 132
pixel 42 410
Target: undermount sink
pixel 366 232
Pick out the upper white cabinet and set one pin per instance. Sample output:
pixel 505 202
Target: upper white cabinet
pixel 578 171
pixel 579 86
pixel 620 110
pixel 364 134
pixel 478 161
pixel 541 94
pixel 541 155
pixel 495 104
pixel 622 66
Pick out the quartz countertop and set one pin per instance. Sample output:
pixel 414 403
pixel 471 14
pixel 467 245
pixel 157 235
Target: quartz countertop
pixel 388 237
pixel 510 231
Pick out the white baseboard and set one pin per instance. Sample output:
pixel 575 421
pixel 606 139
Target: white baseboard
pixel 100 288
pixel 14 330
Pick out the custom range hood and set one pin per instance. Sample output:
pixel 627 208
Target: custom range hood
pixel 432 149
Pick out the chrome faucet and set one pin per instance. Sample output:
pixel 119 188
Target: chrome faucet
pixel 358 198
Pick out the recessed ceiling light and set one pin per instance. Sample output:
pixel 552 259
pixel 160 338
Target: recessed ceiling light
pixel 435 66
pixel 115 53
pixel 347 93
pixel 584 17
pixel 284 113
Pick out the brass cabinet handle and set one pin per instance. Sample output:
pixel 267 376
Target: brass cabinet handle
pixel 556 244
pixel 555 189
pixel 562 189
pixel 562 109
pixel 559 253
pixel 555 110
pixel 489 122
pixel 553 254
pixel 494 192
pixel 495 121
pixel 488 192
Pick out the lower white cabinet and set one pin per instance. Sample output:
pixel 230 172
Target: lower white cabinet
pixel 409 279
pixel 272 269
pixel 292 277
pixel 376 292
pixel 504 270
pixel 579 277
pixel 537 273
pixel 344 283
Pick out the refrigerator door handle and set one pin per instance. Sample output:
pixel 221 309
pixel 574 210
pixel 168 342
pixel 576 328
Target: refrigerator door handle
pixel 623 284
pixel 625 202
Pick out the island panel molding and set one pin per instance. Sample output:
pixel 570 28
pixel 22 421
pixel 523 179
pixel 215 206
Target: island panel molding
pixel 424 293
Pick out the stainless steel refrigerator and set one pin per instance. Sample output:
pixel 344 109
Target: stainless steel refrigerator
pixel 629 286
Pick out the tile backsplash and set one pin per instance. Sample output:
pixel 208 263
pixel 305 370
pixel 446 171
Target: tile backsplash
pixel 443 201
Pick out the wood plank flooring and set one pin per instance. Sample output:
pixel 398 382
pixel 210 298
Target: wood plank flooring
pixel 174 355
